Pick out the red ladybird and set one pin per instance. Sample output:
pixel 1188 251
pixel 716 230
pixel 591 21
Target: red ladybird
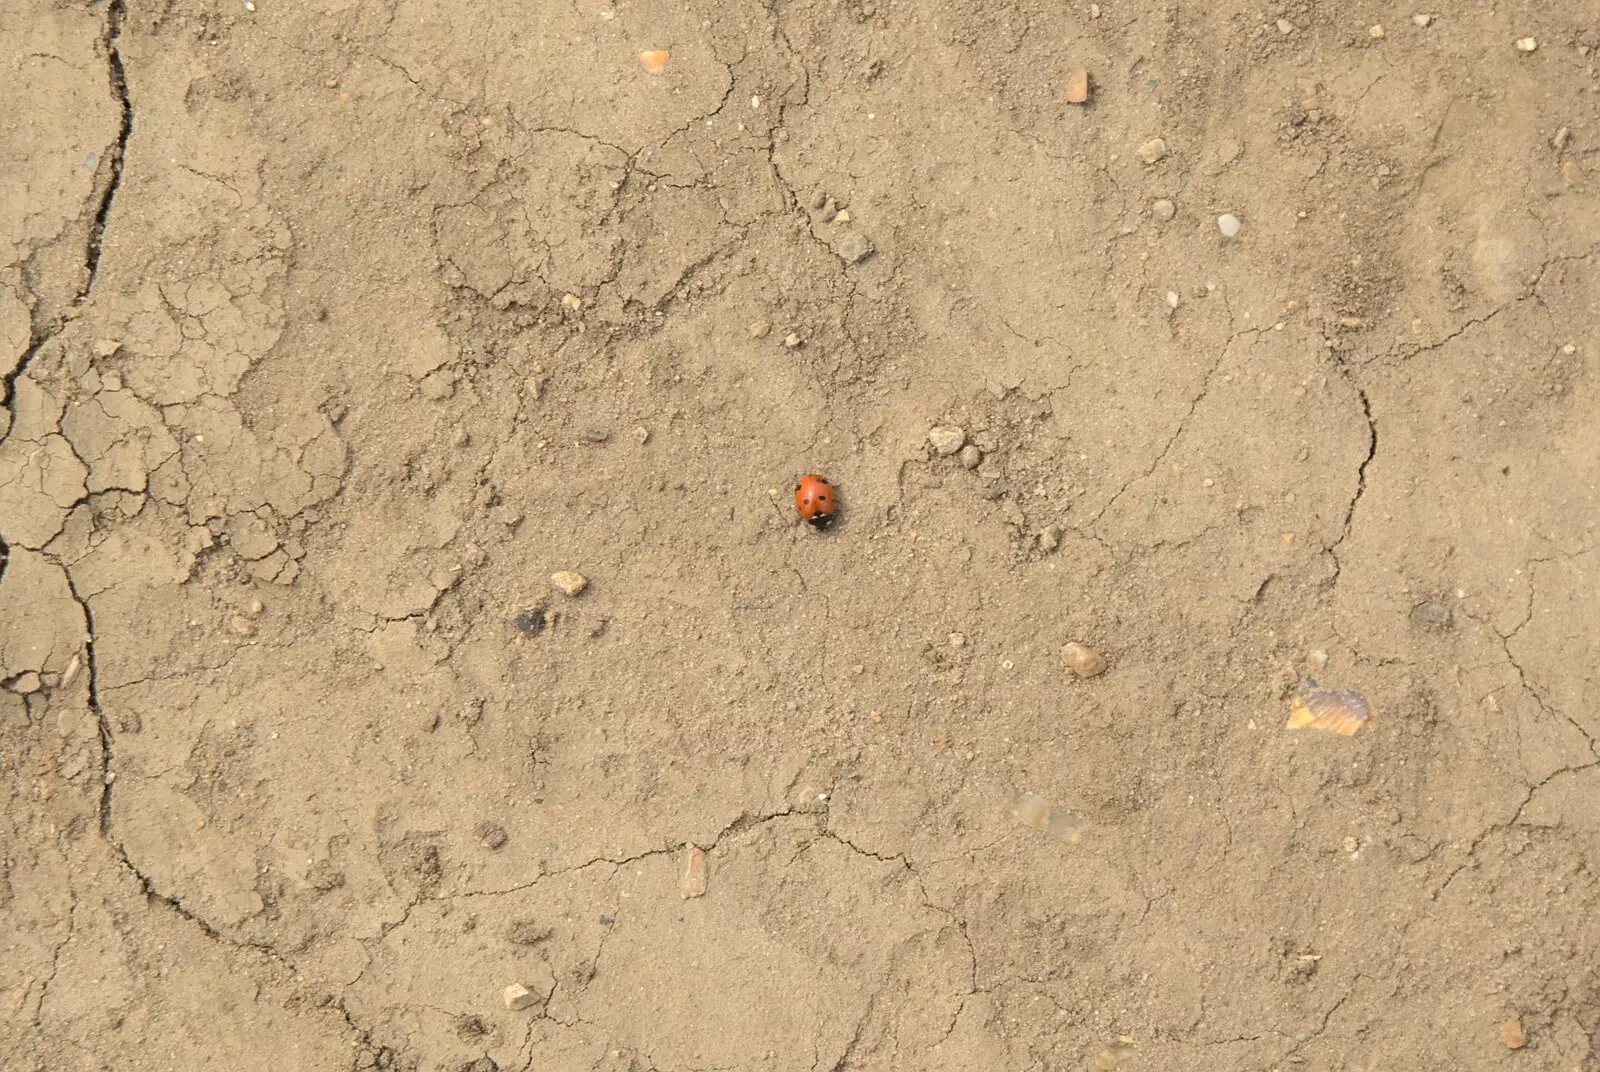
pixel 817 500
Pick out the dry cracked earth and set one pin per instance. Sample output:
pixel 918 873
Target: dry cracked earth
pixel 330 329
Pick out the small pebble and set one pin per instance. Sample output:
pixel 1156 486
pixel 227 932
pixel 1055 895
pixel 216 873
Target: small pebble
pixel 1511 1034
pixel 518 997
pixel 1049 539
pixel 597 435
pixel 1422 20
pixel 946 439
pixel 971 457
pixel 1527 44
pixel 1228 224
pixel 1078 86
pixel 1164 210
pixel 641 435
pixel 1172 299
pixel 1153 150
pixel 1349 844
pixel 958 640
pixel 572 301
pixel 693 883
pixel 569 582
pixel 843 216
pixel 792 341
pixel 1317 658
pixel 532 621
pixel 1082 659
pixel 1558 143
pixel 1285 27
pixel 493 835
pixel 760 329
pixel 241 625
pixel 1375 32
pixel 854 247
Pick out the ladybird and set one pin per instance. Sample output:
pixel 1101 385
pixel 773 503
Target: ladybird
pixel 817 500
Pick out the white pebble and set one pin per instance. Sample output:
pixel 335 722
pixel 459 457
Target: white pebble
pixel 1527 44
pixel 518 997
pixel 946 438
pixel 1228 224
pixel 1422 20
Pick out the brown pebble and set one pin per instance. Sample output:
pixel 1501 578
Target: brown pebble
pixel 493 835
pixel 1082 659
pixel 693 883
pixel 241 625
pixel 1511 1034
pixel 1078 86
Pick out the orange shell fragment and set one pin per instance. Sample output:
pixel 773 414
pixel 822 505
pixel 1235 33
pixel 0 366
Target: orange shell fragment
pixel 655 59
pixel 1332 710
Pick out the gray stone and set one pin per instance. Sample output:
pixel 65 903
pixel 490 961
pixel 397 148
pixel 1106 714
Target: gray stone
pixel 854 247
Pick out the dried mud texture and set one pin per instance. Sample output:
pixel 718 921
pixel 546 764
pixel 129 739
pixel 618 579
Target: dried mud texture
pixel 329 332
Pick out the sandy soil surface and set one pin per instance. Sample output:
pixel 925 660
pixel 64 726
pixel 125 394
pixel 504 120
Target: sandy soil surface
pixel 330 330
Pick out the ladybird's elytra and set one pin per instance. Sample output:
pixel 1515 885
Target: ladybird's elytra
pixel 817 500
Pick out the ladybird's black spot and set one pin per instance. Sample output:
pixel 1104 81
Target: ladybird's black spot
pixel 820 521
